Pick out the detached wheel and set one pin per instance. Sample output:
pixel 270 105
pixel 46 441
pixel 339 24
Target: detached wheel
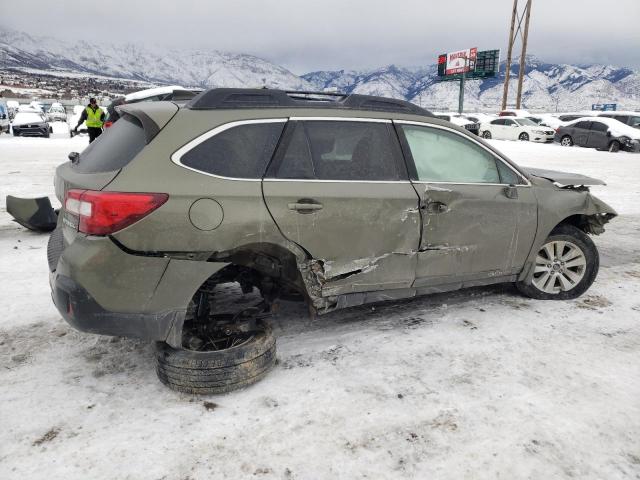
pixel 565 267
pixel 524 136
pixel 614 146
pixel 486 134
pixel 566 141
pixel 243 360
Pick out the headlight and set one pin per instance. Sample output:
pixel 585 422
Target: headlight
pixel 539 132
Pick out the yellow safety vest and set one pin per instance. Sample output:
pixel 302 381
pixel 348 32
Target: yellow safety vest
pixel 93 118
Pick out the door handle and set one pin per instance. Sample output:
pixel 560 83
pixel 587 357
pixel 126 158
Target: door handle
pixel 305 206
pixel 436 207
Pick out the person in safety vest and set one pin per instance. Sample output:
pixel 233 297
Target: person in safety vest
pixel 94 117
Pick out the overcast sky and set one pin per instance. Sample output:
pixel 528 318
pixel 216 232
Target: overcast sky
pixel 307 35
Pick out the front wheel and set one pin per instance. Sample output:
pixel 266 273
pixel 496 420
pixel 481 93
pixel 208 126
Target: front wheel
pixel 614 146
pixel 566 141
pixel 524 136
pixel 565 267
pixel 486 134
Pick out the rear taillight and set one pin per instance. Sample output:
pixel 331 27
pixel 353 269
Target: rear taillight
pixel 103 213
pixel 107 124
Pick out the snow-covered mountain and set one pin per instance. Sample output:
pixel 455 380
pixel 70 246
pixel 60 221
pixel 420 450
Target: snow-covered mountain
pixel 196 68
pixel 546 86
pixel 551 87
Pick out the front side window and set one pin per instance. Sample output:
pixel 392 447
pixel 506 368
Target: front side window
pixel 442 156
pixel 242 151
pixel 341 150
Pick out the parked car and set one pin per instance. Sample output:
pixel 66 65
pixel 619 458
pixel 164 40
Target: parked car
pixel 465 123
pixel 173 93
pixel 342 202
pixel 628 118
pixel 4 117
pixel 31 123
pixel 513 112
pixel 56 113
pixel 599 132
pixel 570 117
pixel 516 128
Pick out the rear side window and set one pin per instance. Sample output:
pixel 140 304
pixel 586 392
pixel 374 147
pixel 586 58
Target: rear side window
pixel 239 152
pixel 342 150
pixel 498 122
pixel 115 148
pixel 583 125
pixel 598 127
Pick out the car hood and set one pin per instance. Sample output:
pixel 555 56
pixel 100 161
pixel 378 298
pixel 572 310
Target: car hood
pixel 564 178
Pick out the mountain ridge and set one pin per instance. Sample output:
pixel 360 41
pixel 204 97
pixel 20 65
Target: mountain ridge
pixel 547 86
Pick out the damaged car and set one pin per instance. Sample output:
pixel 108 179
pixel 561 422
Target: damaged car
pixel 335 200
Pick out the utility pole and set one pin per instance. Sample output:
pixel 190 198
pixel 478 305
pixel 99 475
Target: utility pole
pixel 513 33
pixel 461 94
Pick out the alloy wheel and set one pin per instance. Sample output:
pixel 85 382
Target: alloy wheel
pixel 560 266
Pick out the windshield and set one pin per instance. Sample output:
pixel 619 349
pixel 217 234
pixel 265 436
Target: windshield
pixel 525 122
pixel 27 117
pixel 634 122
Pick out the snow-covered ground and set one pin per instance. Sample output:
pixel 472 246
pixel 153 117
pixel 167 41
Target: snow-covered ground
pixel 481 383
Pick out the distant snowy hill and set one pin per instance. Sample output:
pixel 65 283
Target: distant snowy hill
pixel 196 68
pixel 547 86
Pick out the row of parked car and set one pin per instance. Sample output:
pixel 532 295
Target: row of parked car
pixel 611 131
pixel 34 119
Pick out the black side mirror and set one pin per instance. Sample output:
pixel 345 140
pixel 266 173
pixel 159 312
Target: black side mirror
pixel 608 133
pixel 74 157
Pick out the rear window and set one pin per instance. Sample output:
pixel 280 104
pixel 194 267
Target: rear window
pixel 115 148
pixel 239 152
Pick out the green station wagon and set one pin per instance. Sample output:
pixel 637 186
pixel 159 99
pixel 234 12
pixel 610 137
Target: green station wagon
pixel 337 200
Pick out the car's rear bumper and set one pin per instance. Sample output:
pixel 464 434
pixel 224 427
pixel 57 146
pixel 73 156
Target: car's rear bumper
pixel 82 312
pixel 99 288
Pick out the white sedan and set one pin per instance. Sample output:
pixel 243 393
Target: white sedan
pixel 516 128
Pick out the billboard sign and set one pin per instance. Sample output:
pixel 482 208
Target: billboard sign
pixel 605 107
pixel 479 64
pixel 459 62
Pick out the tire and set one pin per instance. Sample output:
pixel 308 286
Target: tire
pixel 15 134
pixel 571 237
pixel 221 371
pixel 524 136
pixel 614 146
pixel 566 141
pixel 486 134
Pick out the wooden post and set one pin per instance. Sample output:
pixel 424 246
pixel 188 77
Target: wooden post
pixel 523 55
pixel 507 71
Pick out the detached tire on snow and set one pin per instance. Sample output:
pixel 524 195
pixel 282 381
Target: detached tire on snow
pixel 219 371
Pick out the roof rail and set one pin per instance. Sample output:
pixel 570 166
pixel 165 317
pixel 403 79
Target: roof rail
pixel 237 98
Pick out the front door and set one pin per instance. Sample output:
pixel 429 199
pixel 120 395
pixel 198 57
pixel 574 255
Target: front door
pixel 339 188
pixel 478 213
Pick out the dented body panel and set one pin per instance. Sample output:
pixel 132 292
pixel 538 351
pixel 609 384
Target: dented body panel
pixel 473 232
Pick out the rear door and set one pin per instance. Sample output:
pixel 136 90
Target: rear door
pixel 479 214
pixel 598 135
pixel 339 188
pixel 511 129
